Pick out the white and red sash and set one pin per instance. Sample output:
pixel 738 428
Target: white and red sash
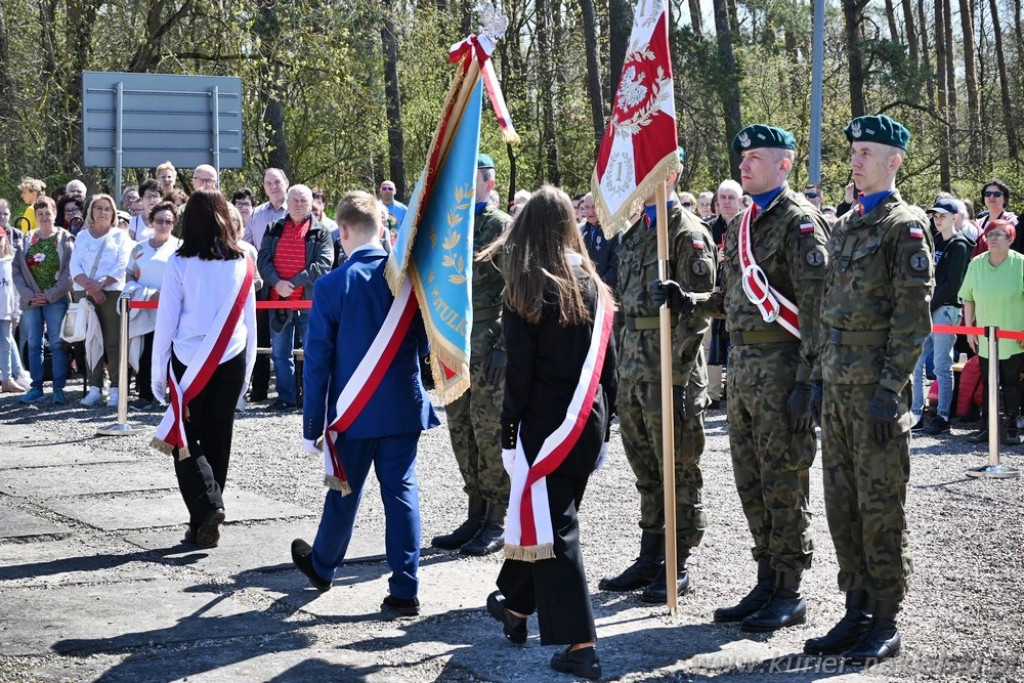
pixel 772 304
pixel 529 535
pixel 170 434
pixel 361 386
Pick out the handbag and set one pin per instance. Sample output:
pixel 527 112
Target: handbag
pixel 73 328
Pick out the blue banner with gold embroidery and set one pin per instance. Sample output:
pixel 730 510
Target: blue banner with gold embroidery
pixel 434 249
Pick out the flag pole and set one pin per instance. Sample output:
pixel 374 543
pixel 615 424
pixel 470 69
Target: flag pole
pixel 667 423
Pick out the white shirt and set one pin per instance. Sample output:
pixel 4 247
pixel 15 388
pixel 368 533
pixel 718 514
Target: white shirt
pixel 116 246
pixel 138 230
pixel 188 308
pixel 147 264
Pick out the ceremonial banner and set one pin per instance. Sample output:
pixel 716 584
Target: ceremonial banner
pixel 639 149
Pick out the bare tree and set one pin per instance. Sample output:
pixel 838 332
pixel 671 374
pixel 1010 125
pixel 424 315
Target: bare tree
pixel 393 100
pixel 911 31
pixel 728 82
pixel 942 92
pixel 853 13
pixel 593 72
pixel 971 80
pixel 1004 83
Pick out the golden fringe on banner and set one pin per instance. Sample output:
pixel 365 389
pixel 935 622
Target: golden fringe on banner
pixel 333 482
pixel 530 553
pixel 613 224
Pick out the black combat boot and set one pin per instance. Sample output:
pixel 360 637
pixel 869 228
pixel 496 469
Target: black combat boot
pixel 641 572
pixel 466 530
pixel 845 634
pixel 786 608
pixel 491 537
pixel 755 599
pixel 655 592
pixel 882 640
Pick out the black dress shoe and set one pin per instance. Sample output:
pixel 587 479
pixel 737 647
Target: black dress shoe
pixel 513 627
pixel 190 537
pixel 208 533
pixel 257 396
pixel 406 607
pixel 283 406
pixel 302 556
pixel 583 662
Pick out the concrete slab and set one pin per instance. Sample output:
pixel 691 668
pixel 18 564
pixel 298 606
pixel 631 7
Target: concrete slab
pixel 19 524
pixel 91 619
pixel 74 561
pixel 138 510
pixel 46 482
pixel 38 454
pixel 249 547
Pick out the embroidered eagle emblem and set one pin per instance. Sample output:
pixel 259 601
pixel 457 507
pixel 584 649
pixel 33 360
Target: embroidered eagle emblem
pixel 744 140
pixel 855 129
pixel 632 90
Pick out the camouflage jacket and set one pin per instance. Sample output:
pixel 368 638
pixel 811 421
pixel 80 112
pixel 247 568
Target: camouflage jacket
pixel 788 240
pixel 879 277
pixel 692 261
pixel 488 282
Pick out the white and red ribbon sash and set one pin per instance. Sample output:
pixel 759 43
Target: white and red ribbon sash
pixel 772 304
pixel 170 433
pixel 361 386
pixel 529 535
pixel 483 47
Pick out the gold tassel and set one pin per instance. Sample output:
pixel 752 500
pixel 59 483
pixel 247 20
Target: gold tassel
pixel 530 553
pixel 342 487
pixel 161 446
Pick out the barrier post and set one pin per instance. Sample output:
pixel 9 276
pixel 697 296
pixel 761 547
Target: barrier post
pixel 993 470
pixel 121 427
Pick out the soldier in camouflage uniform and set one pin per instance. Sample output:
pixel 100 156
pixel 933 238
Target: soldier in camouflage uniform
pixel 874 320
pixel 771 434
pixel 474 418
pixel 692 261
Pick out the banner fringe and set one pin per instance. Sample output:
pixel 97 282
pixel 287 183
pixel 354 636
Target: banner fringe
pixel 161 446
pixel 333 482
pixel 530 553
pixel 612 225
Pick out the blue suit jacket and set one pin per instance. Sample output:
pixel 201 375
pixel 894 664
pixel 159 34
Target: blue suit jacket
pixel 349 307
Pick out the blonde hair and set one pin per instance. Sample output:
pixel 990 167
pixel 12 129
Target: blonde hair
pixel 92 203
pixel 32 185
pixel 359 211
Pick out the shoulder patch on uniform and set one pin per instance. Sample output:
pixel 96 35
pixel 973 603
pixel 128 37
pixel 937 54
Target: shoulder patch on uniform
pixel 816 256
pixel 806 226
pixel 698 243
pixel 919 261
pixel 700 268
pixel 917 232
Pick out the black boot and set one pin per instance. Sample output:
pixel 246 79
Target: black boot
pixel 655 592
pixel 466 530
pixel 882 640
pixel 491 537
pixel 755 599
pixel 786 608
pixel 854 624
pixel 641 572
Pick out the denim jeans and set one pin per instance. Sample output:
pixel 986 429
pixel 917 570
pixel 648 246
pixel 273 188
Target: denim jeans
pixel 6 349
pixel 32 321
pixel 941 348
pixel 281 346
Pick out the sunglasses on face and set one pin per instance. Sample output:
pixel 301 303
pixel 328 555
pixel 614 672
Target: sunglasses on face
pixel 993 193
pixel 688 205
pixel 811 195
pixel 999 235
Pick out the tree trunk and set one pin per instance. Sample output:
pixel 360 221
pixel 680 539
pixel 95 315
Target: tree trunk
pixel 620 21
pixel 890 15
pixel 393 101
pixel 971 80
pixel 925 58
pixel 1004 83
pixel 593 72
pixel 734 21
pixel 696 20
pixel 951 96
pixel 267 27
pixel 943 94
pixel 549 138
pixel 852 13
pixel 729 83
pixel 911 32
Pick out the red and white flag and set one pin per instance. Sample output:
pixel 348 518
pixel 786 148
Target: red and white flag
pixel 640 147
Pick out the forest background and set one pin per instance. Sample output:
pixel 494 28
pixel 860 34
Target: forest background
pixel 345 93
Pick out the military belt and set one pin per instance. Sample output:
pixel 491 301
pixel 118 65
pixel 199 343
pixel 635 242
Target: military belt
pixel 772 336
pixel 651 322
pixel 860 338
pixel 486 313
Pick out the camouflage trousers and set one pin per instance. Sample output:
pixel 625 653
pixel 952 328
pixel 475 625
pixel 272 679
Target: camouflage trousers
pixel 639 406
pixel 865 495
pixel 474 423
pixel 770 464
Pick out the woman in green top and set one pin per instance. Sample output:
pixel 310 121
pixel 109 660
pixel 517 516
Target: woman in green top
pixel 43 280
pixel 993 295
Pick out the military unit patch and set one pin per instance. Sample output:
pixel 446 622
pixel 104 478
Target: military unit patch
pixel 919 261
pixel 815 257
pixel 700 268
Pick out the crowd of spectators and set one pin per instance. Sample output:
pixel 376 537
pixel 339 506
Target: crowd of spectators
pixel 68 247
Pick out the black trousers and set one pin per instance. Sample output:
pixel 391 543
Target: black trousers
pixel 142 376
pixel 1009 383
pixel 555 588
pixel 261 370
pixel 208 429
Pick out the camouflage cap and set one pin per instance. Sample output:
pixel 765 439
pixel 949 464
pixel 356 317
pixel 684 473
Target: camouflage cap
pixel 880 129
pixel 762 135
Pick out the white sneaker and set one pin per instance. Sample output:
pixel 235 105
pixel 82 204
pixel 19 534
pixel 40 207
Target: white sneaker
pixel 24 379
pixel 93 398
pixel 112 401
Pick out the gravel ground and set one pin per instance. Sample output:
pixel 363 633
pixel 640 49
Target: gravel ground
pixel 962 620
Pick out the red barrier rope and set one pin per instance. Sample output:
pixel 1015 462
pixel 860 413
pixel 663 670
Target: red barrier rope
pixel 977 331
pixel 260 305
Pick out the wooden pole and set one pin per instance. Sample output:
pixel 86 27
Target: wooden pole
pixel 668 445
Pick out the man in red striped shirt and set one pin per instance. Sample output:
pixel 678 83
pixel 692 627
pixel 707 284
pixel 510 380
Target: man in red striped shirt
pixel 295 251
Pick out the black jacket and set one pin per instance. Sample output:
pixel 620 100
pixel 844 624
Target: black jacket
pixel 950 269
pixel 319 257
pixel 603 252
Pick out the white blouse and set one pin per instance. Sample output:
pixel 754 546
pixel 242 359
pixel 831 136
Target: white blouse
pixel 116 247
pixel 147 264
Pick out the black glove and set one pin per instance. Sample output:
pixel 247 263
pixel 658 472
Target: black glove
pixel 798 406
pixel 679 402
pixel 817 398
pixel 668 290
pixel 884 414
pixel 494 366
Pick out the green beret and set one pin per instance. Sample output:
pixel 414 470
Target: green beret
pixel 682 155
pixel 761 135
pixel 484 161
pixel 879 129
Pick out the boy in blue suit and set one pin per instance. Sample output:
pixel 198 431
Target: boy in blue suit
pixel 350 305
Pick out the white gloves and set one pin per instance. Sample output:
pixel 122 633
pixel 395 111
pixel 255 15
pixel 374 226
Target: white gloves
pixel 311 448
pixel 508 459
pixel 159 388
pixel 602 456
